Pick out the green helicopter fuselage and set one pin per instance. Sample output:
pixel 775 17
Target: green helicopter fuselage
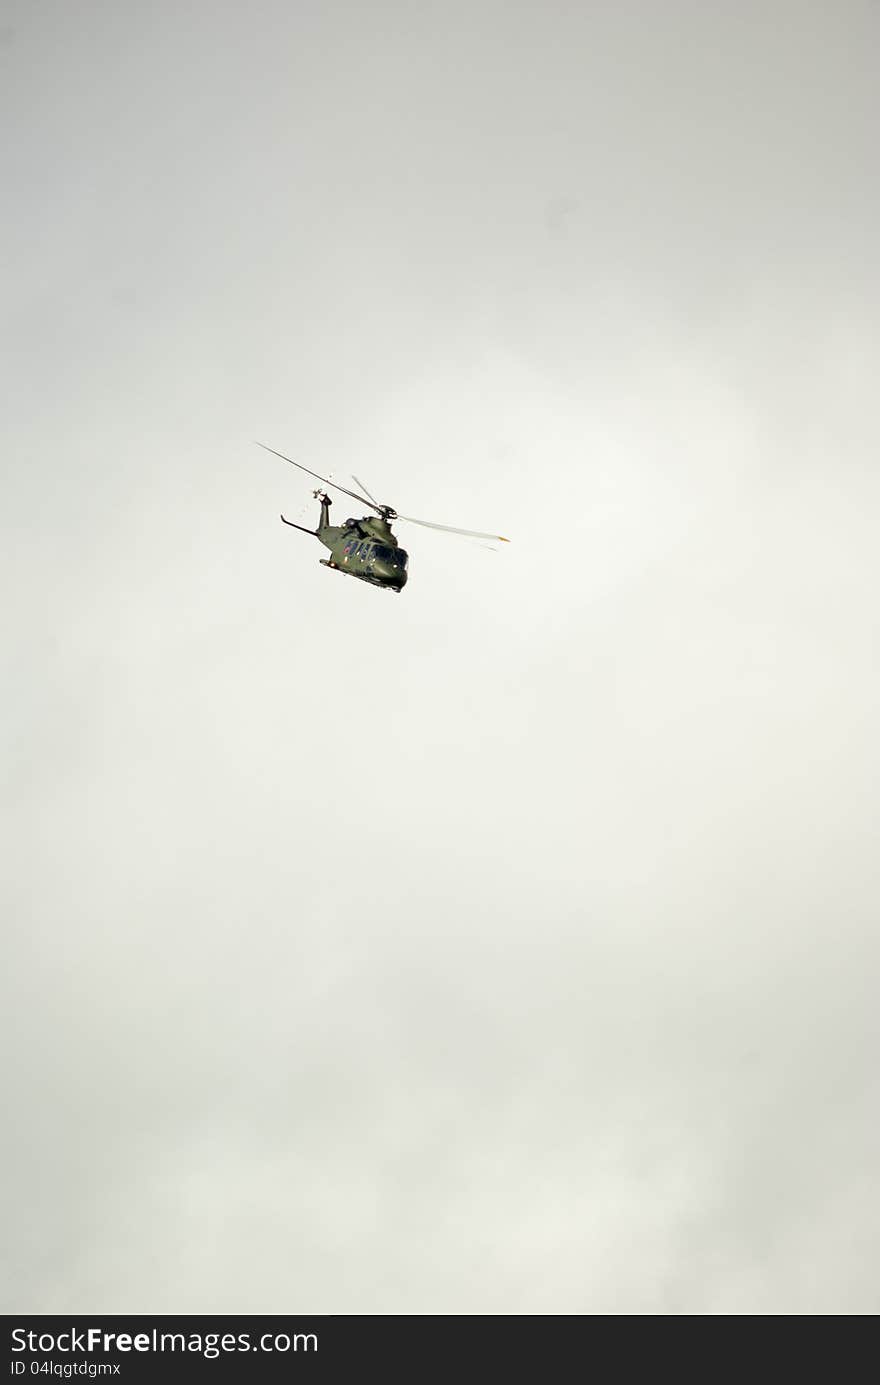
pixel 363 548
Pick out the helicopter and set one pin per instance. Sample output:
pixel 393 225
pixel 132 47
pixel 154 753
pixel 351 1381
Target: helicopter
pixel 365 548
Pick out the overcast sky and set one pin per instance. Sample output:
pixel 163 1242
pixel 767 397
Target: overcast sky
pixel 508 945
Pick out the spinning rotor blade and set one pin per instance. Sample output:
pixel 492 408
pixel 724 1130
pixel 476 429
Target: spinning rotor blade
pixel 320 478
pixel 385 511
pixel 366 492
pixel 447 528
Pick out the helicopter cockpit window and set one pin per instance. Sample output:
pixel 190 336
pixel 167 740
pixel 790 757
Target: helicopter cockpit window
pixel 391 555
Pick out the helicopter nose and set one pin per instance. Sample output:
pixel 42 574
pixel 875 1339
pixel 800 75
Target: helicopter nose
pixel 389 574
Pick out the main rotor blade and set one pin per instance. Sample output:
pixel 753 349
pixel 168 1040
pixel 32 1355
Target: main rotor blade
pixel 468 533
pixel 365 491
pixel 383 510
pixel 319 478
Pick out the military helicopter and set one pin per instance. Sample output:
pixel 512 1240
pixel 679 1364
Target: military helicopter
pixel 365 548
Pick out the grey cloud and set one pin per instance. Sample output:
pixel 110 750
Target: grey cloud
pixel 504 946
